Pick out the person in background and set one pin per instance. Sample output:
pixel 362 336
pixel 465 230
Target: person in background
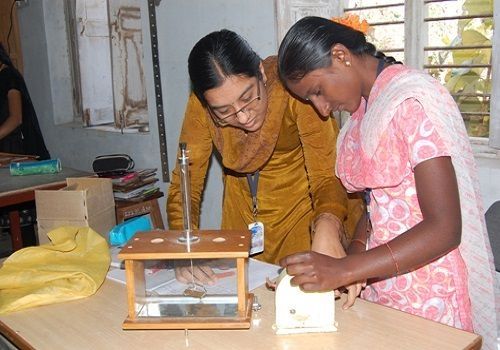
pixel 422 243
pixel 19 129
pixel 278 156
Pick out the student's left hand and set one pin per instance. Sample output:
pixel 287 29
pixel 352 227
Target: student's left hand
pixel 327 240
pixel 327 236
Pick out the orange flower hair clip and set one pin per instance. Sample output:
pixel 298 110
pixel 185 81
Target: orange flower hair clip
pixel 353 21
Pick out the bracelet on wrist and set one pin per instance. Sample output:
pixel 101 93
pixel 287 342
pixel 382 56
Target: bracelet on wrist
pixel 359 241
pixel 393 257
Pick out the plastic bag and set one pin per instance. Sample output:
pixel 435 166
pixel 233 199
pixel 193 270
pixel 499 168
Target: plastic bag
pixel 72 266
pixel 121 233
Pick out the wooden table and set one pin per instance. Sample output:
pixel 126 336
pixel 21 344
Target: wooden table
pixel 96 323
pixel 16 190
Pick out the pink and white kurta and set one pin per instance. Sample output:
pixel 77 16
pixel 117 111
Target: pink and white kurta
pixel 411 118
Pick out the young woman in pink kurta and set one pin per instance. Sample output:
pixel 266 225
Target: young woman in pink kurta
pixel 438 290
pixel 422 245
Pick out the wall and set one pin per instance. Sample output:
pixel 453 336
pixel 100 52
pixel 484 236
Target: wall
pixel 489 179
pixel 180 24
pixel 43 36
pixel 194 19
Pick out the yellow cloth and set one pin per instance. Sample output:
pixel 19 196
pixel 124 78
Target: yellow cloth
pixel 73 266
pixel 295 152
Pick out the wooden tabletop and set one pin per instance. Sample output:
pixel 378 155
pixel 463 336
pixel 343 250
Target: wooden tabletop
pixel 18 189
pixel 96 323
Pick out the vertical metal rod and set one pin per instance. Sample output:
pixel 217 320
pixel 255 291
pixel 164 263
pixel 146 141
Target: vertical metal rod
pixel 186 195
pixel 185 187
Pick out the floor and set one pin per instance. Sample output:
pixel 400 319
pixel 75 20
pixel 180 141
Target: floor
pixel 5 344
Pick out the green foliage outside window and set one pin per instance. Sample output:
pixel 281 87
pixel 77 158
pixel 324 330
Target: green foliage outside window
pixel 474 84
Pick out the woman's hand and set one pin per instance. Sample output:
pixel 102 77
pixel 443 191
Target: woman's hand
pixel 327 240
pixel 356 246
pixel 201 273
pixel 317 272
pixel 327 236
pixel 353 291
pixel 314 272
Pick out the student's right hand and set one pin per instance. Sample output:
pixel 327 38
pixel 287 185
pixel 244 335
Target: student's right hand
pixel 202 274
pixel 317 272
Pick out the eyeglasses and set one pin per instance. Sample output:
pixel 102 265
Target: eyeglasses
pixel 225 119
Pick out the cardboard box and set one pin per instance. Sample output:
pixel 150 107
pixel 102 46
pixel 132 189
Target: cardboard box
pixel 83 202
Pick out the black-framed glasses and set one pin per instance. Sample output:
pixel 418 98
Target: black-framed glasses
pixel 225 119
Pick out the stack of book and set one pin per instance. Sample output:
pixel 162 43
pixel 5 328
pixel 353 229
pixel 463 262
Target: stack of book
pixel 136 185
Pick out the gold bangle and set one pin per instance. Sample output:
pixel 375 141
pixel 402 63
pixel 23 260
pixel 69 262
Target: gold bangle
pixel 359 241
pixel 336 221
pixel 393 258
pixel 330 217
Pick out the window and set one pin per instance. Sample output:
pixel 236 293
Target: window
pixel 387 23
pixel 107 57
pixel 452 39
pixel 456 40
pixel 458 52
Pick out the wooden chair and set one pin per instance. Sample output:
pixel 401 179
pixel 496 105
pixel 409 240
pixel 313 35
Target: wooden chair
pixel 127 210
pixel 493 224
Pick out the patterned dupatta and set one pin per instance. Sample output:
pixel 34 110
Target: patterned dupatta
pixel 440 107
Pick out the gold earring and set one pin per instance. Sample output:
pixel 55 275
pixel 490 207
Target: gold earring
pixel 348 63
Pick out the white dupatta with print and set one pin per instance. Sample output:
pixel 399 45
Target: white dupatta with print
pixel 444 114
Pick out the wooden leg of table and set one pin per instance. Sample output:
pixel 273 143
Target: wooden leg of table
pixel 136 285
pixel 15 230
pixel 241 285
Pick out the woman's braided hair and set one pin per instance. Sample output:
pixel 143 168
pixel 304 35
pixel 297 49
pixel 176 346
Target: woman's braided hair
pixel 306 46
pixel 370 49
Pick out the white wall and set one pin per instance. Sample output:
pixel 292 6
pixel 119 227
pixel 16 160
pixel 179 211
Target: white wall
pixel 489 179
pixel 43 38
pixel 180 24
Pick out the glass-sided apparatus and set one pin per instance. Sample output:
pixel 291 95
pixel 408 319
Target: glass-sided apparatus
pixel 156 300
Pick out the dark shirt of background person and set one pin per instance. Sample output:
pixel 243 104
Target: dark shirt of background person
pixel 19 136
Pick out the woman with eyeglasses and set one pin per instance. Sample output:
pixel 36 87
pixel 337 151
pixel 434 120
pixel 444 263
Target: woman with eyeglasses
pixel 278 156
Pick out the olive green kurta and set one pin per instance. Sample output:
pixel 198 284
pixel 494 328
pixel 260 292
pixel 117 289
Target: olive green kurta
pixel 297 180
